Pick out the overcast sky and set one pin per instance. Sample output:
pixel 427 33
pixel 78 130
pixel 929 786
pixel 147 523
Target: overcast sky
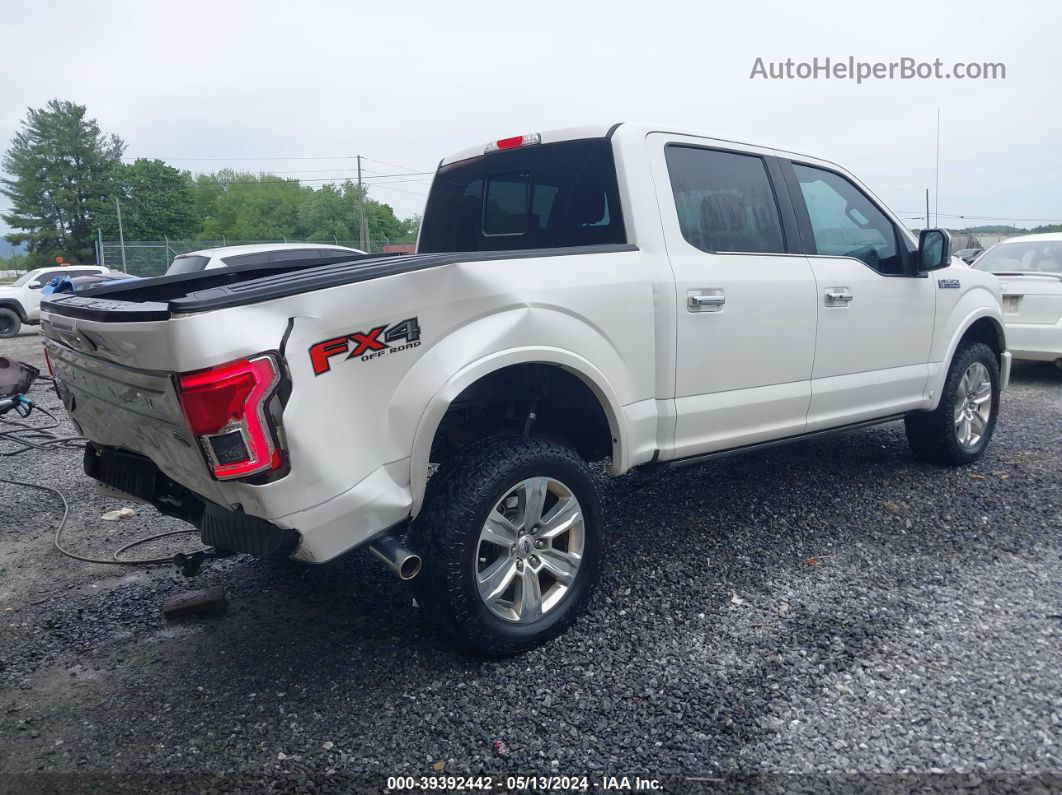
pixel 407 82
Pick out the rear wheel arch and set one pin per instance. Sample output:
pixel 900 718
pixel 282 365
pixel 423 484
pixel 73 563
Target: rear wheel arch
pixel 589 391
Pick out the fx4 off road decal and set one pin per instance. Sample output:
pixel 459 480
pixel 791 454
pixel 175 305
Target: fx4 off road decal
pixel 366 345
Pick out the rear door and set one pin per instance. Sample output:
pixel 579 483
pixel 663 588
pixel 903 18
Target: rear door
pixel 745 302
pixel 875 312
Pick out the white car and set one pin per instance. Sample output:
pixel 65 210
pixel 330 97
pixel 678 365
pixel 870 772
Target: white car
pixel 645 296
pixel 253 254
pixel 1029 268
pixel 20 301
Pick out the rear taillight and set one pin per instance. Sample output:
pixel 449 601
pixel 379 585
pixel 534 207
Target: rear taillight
pixel 227 410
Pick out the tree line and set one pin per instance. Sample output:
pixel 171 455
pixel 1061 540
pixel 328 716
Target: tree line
pixel 64 174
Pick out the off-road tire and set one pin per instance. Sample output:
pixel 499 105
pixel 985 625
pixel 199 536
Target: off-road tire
pixel 446 534
pixel 931 434
pixel 10 322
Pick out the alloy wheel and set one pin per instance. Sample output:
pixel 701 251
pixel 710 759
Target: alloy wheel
pixel 530 550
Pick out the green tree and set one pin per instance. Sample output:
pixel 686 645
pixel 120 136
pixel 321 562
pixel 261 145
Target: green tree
pixel 62 170
pixel 156 203
pixel 241 206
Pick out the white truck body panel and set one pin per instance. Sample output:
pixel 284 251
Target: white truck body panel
pixel 671 382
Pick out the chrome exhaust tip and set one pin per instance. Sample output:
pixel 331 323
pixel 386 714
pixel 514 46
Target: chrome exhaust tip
pixel 404 562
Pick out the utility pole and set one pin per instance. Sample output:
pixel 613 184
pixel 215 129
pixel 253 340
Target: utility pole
pixel 936 195
pixel 927 209
pixel 121 234
pixel 363 227
pixel 101 258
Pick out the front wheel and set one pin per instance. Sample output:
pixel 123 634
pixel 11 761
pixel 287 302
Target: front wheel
pixel 959 429
pixel 511 542
pixel 10 322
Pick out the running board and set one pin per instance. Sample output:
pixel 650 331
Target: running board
pixel 678 463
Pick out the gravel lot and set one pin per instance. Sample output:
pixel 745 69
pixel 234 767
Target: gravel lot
pixel 831 607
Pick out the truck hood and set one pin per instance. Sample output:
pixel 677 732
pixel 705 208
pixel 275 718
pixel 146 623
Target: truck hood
pixel 10 292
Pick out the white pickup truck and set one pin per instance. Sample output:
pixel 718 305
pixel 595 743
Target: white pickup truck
pixel 637 295
pixel 20 302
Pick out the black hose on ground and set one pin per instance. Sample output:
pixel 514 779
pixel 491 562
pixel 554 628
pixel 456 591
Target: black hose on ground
pixel 36 437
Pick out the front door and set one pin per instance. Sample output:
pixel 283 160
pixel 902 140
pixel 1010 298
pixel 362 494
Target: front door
pixel 875 313
pixel 745 307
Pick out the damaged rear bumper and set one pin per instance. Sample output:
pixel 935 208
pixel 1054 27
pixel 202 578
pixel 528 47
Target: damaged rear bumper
pixel 137 476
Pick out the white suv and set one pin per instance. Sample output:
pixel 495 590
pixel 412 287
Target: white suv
pixel 643 296
pixel 229 256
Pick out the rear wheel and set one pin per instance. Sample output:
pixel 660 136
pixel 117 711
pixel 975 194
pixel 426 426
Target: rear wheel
pixel 510 539
pixel 959 429
pixel 10 323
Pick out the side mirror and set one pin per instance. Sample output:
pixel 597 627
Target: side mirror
pixel 35 285
pixel 934 249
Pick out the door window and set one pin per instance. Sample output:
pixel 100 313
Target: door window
pixel 724 200
pixel 845 223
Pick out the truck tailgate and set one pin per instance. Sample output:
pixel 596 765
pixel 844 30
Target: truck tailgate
pixel 135 410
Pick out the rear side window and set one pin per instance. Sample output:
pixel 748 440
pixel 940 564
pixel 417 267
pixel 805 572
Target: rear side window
pixel 724 200
pixel 543 196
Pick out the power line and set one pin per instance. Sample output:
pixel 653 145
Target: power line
pixel 393 165
pixel 399 190
pixel 276 157
pixel 337 157
pixel 986 217
pixel 347 171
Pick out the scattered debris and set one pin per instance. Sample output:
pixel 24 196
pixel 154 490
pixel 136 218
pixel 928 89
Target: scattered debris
pixel 895 507
pixel 812 561
pixel 329 745
pixel 977 476
pixel 120 513
pixel 500 748
pixel 735 599
pixel 207 602
pixel 439 766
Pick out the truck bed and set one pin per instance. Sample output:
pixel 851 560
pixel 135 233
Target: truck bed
pixel 162 297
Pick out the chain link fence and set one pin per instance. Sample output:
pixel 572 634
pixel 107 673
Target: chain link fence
pixel 152 257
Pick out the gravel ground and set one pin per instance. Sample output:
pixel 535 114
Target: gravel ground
pixel 832 607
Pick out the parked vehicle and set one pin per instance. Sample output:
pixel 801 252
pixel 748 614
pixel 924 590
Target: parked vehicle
pixel 256 253
pixel 20 302
pixel 65 283
pixel 638 295
pixel 1029 268
pixel 968 255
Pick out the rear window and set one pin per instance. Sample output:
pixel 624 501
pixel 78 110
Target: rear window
pixel 1035 257
pixel 187 264
pixel 545 196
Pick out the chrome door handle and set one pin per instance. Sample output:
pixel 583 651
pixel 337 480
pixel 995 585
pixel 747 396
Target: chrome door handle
pixel 838 296
pixel 706 301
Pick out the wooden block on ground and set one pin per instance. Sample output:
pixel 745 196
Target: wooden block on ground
pixel 208 602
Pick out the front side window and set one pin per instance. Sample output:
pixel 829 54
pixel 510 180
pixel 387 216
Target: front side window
pixel 724 201
pixel 845 223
